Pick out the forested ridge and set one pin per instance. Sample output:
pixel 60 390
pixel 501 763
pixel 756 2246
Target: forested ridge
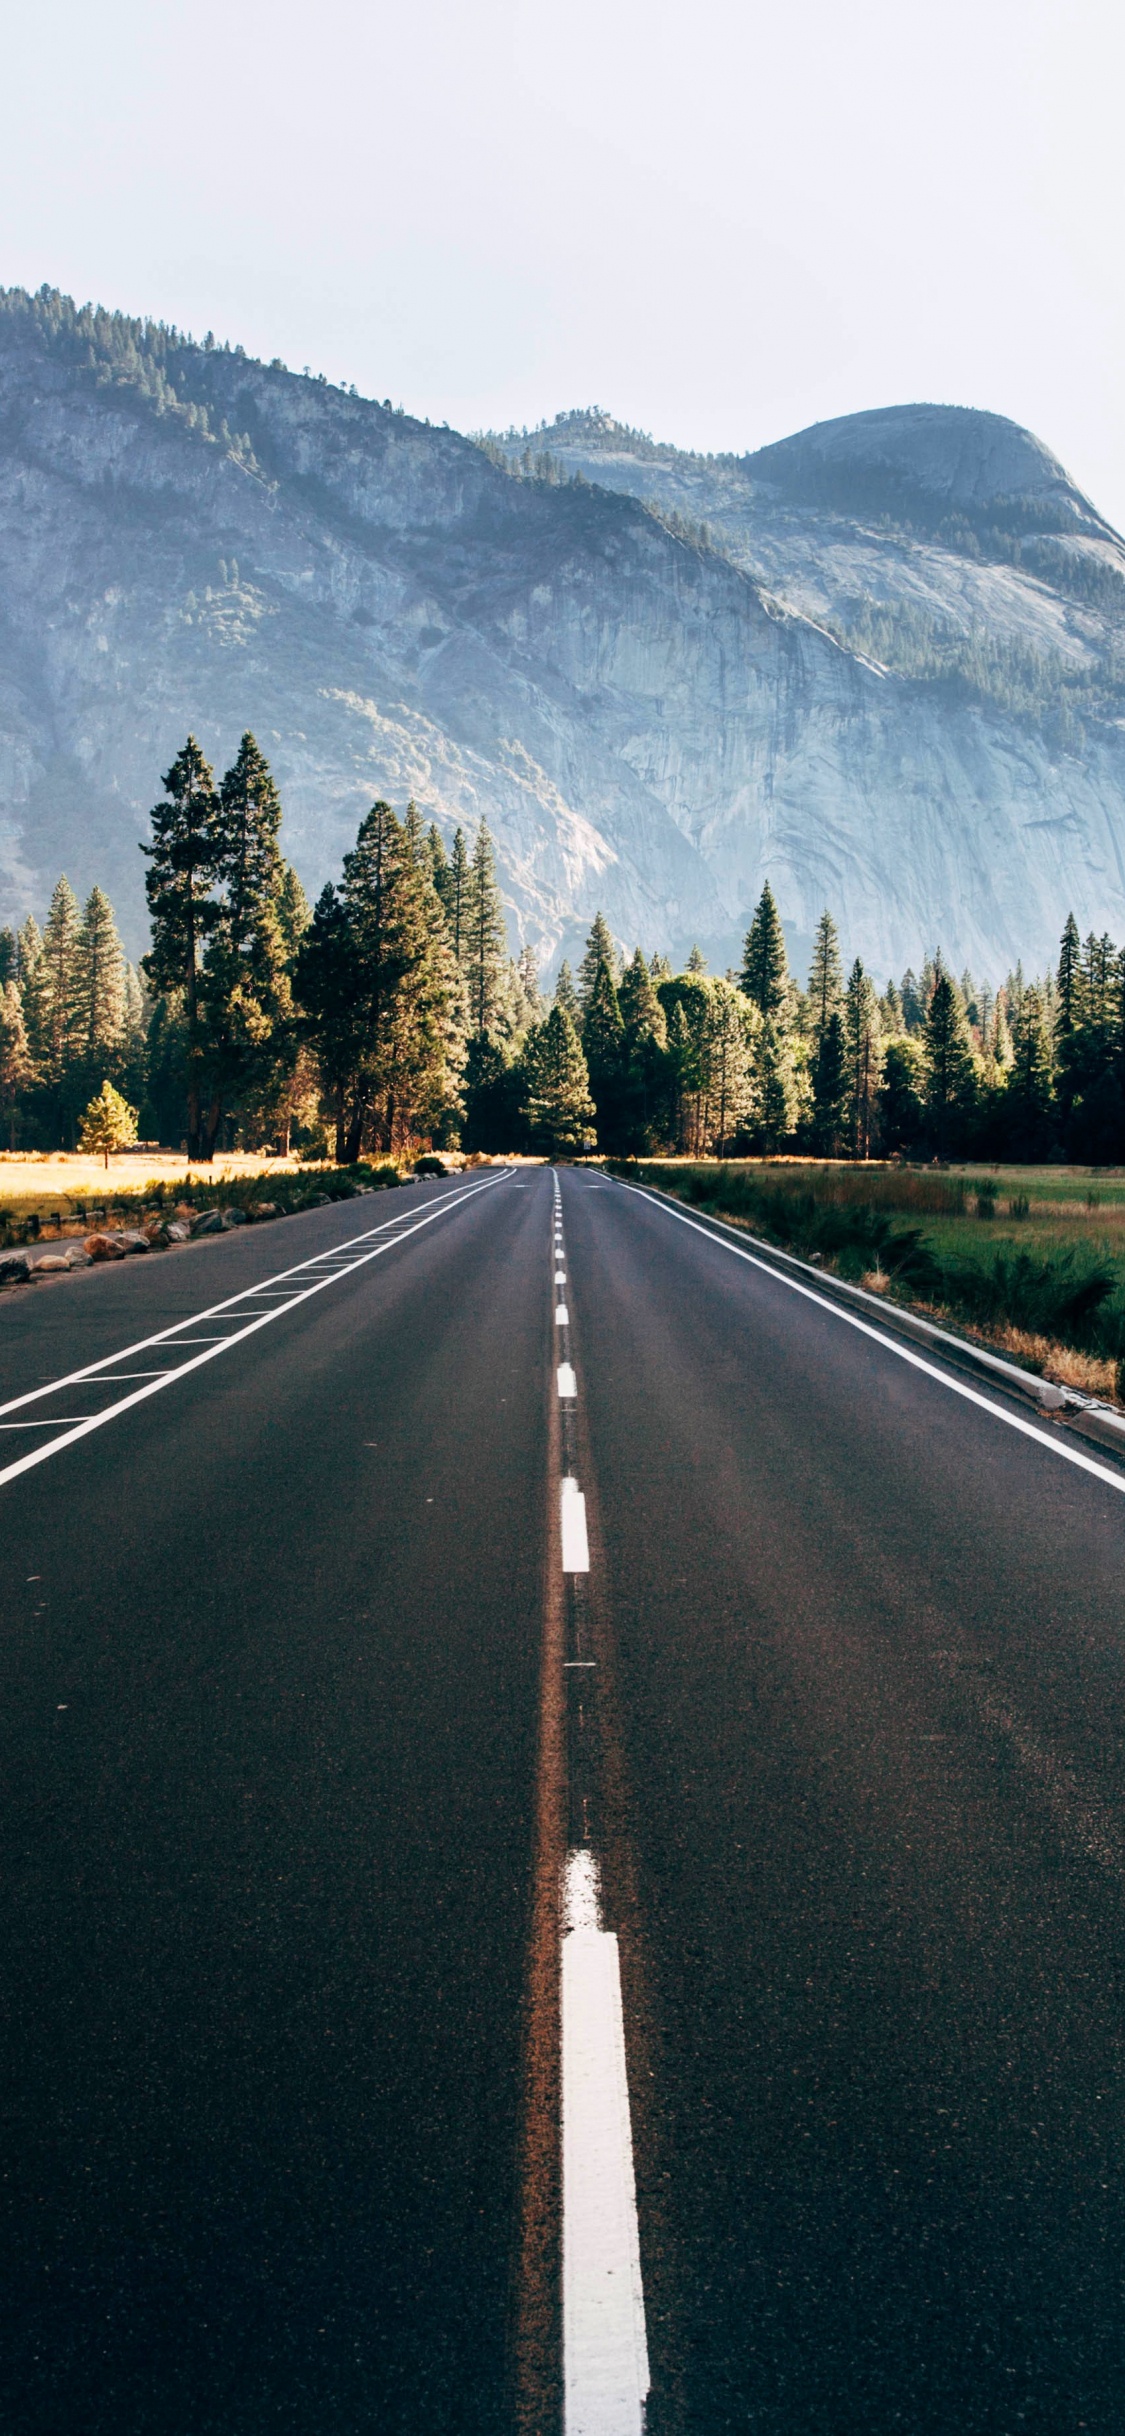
pixel 390 1018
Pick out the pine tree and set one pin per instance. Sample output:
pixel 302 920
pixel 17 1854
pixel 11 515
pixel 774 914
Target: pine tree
pixel 603 1047
pixel 950 1071
pixel 862 1036
pixel 292 909
pixel 102 982
pixel 600 950
pixel 61 976
pixel 414 831
pixel 184 858
pixel 730 1045
pixel 697 961
pixel 17 1066
pixel 485 939
pixel 902 1108
pixel 645 1049
pixel 527 990
pixel 242 993
pixel 913 1011
pixel 687 1008
pixel 326 987
pixel 9 957
pixel 777 1099
pixel 765 968
pixel 826 979
pixel 830 1089
pixel 33 991
pixel 1069 1015
pixel 1000 1039
pixel 108 1124
pixel 381 995
pixel 558 1109
pixel 891 1010
pixel 439 865
pixel 453 887
pixel 1030 1097
pixel 566 996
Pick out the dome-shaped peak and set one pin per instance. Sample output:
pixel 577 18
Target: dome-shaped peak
pixel 943 458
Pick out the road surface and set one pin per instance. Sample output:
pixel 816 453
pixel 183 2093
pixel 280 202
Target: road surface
pixel 381 1590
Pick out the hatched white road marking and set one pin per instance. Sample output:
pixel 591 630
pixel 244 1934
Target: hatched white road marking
pixel 605 2351
pixel 575 1546
pixel 172 1339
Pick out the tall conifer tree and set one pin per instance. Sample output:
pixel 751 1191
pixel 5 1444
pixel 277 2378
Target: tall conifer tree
pixel 951 1075
pixel 826 979
pixel 184 859
pixel 102 970
pixel 862 1034
pixel 566 996
pixel 558 1108
pixel 600 950
pixel 485 939
pixel 765 966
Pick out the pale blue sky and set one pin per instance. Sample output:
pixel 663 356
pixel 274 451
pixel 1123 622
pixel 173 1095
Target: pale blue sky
pixel 722 222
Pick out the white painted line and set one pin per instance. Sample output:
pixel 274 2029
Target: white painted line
pixel 890 1344
pixel 568 1384
pixel 230 1310
pixel 605 2351
pixel 560 1277
pixel 575 1545
pixel 215 1346
pixel 562 1316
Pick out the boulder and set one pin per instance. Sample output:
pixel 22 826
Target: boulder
pixel 234 1216
pixel 132 1239
pixel 105 1247
pixel 208 1222
pixel 77 1257
pixel 262 1209
pixel 174 1230
pixel 49 1264
pixel 15 1268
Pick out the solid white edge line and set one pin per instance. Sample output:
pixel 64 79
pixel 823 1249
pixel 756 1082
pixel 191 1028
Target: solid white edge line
pixel 903 1353
pixel 156 1386
pixel 572 1517
pixel 605 2350
pixel 171 1335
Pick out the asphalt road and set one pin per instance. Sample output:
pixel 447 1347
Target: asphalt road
pixel 273 1748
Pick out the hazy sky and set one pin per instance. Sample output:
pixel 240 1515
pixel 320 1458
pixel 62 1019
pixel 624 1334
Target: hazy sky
pixel 720 221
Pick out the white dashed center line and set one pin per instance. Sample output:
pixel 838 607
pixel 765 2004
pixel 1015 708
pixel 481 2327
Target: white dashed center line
pixel 605 2352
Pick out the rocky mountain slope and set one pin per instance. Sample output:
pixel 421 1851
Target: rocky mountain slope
pixel 888 676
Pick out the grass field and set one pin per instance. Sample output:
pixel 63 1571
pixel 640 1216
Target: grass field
pixel 39 1183
pixel 1030 1260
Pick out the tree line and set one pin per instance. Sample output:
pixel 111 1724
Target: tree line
pixel 390 1017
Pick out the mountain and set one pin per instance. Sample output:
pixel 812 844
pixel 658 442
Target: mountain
pixel 882 662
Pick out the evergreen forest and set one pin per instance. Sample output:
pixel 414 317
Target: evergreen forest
pixel 390 1018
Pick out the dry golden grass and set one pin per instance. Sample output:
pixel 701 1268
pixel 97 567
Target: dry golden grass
pixel 42 1181
pixel 1088 1372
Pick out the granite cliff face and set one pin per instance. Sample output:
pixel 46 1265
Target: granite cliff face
pixel 887 678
